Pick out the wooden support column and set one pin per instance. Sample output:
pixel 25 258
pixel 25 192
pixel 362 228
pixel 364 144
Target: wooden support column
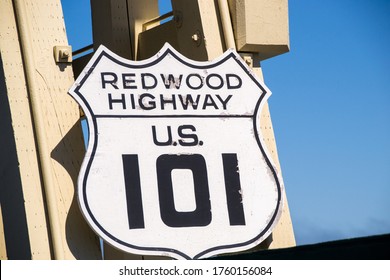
pixel 25 227
pixel 45 144
pixel 117 23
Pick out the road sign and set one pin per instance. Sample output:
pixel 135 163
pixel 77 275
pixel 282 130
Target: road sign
pixel 176 163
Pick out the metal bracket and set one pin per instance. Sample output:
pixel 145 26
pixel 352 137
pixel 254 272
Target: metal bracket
pixel 62 54
pixel 247 57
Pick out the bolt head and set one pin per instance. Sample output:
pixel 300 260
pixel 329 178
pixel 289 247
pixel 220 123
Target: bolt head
pixel 65 53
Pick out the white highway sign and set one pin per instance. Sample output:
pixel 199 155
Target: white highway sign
pixel 176 163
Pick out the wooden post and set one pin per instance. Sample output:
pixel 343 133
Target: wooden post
pixel 43 129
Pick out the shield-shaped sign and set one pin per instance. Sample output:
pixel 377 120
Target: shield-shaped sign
pixel 176 163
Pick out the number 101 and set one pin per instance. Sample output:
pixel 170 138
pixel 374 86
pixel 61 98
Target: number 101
pixel 165 164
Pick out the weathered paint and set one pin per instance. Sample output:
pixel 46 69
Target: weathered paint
pixel 117 178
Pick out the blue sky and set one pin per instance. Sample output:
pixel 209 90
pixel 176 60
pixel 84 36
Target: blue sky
pixel 330 110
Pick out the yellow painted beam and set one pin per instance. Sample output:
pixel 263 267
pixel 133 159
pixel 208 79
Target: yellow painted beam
pixel 23 191
pixel 47 132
